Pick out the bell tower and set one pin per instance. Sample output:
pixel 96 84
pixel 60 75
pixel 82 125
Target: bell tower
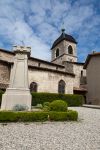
pixel 64 49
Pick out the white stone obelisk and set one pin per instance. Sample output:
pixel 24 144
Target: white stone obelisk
pixel 18 91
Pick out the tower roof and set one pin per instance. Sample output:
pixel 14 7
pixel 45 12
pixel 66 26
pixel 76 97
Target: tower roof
pixel 62 37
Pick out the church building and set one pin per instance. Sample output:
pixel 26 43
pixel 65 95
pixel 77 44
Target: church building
pixel 64 74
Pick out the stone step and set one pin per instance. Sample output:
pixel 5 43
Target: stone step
pixel 92 106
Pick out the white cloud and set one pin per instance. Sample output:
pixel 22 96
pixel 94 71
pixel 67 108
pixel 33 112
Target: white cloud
pixel 37 23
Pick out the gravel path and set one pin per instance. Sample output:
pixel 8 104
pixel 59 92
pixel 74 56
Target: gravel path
pixel 81 135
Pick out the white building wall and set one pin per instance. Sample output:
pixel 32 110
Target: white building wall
pixel 48 81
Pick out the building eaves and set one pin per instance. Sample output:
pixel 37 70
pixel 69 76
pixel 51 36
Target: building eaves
pixel 5 61
pixel 47 62
pixel 51 70
pixel 77 63
pixel 7 51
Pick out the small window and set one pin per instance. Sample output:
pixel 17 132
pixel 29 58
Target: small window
pixel 61 87
pixel 33 87
pixel 56 68
pixel 39 64
pixel 81 73
pixel 70 49
pixel 57 52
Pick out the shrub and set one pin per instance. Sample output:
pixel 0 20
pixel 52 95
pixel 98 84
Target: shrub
pixel 40 98
pixel 71 99
pixel 58 105
pixel 19 107
pixel 72 115
pixel 22 116
pixel 39 106
pixel 46 108
pixel 58 116
pixel 63 116
pixel 7 116
pixel 46 103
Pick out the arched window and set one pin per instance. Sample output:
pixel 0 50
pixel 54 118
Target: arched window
pixel 33 87
pixel 70 49
pixel 61 87
pixel 57 52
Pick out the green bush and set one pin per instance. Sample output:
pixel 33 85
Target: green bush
pixel 71 99
pixel 46 108
pixel 40 98
pixel 58 105
pixel 39 106
pixel 7 116
pixel 46 103
pixel 63 116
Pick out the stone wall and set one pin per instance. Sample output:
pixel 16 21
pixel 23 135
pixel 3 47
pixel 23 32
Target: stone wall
pixel 48 81
pixel 77 70
pixel 44 64
pixel 6 55
pixel 69 67
pixel 61 50
pixel 4 73
pixel 63 53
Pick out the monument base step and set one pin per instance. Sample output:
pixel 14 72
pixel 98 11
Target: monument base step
pixel 10 99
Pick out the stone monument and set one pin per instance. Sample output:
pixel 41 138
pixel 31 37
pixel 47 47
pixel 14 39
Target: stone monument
pixel 18 91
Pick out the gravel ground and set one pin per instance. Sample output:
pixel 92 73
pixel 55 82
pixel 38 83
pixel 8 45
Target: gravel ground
pixel 81 135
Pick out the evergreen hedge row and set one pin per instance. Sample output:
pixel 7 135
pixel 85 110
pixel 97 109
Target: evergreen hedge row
pixel 71 99
pixel 40 98
pixel 8 116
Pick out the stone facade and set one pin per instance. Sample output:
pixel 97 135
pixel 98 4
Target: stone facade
pixel 47 75
pixel 4 72
pixel 47 81
pixel 44 64
pixel 79 74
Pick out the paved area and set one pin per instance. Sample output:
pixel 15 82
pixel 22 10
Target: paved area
pixel 81 135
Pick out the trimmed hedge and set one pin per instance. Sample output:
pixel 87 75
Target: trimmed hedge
pixel 58 105
pixel 71 99
pixel 7 116
pixel 40 98
pixel 63 116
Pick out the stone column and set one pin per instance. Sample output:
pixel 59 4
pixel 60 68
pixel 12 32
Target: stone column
pixel 18 91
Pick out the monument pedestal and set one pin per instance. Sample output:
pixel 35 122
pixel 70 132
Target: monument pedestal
pixel 13 97
pixel 18 91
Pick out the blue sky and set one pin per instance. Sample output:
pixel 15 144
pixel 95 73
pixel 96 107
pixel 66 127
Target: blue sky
pixel 38 23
